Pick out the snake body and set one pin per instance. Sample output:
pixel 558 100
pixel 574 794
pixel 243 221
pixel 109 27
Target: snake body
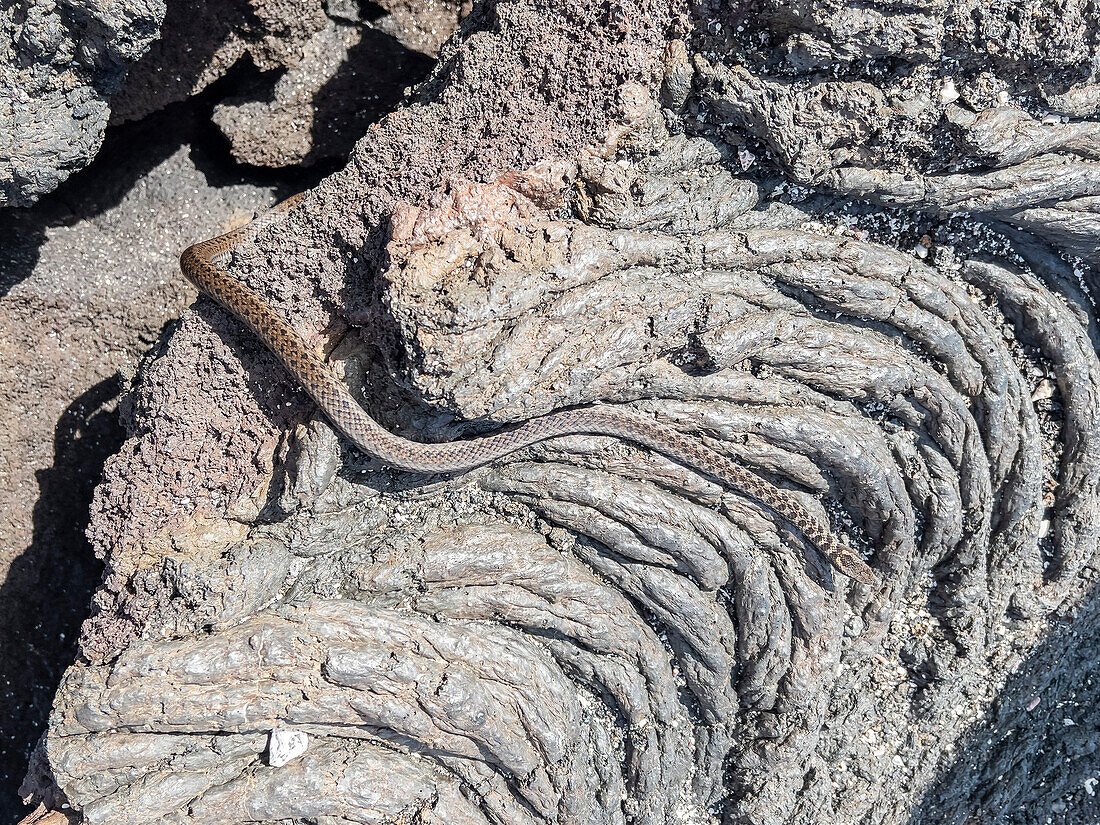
pixel 201 265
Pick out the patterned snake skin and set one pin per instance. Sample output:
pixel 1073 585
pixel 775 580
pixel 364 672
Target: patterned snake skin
pixel 201 264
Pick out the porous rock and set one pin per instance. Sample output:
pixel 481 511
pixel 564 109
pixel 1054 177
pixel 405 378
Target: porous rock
pixel 590 632
pixel 326 70
pixel 89 277
pixel 59 65
pixel 205 39
pixel 349 74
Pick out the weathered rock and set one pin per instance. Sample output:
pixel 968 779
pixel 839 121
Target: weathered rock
pixel 59 65
pixel 571 549
pixel 590 632
pixel 337 71
pixel 995 87
pixel 88 279
pixel 204 40
pixel 423 27
pixel 66 70
pixel 348 76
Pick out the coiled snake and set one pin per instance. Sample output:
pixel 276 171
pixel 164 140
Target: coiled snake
pixel 201 265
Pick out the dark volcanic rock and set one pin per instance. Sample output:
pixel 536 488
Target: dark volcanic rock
pixel 59 65
pixel 847 247
pixel 67 69
pixel 319 72
pixel 205 39
pixel 88 279
pixel 348 77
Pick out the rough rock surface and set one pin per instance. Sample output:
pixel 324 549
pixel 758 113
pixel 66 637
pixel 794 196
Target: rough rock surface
pixel 320 71
pixel 206 39
pixel 68 69
pixel 59 64
pixel 350 74
pixel 88 278
pixel 908 106
pixel 786 235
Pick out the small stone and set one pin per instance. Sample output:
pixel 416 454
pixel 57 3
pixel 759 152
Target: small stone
pixel 948 92
pixel 1002 97
pixel 746 158
pixel 284 745
pixel 1044 391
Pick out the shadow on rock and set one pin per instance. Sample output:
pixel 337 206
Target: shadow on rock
pixel 1036 754
pixel 45 596
pixel 372 80
pixel 128 154
pixel 20 238
pixel 174 66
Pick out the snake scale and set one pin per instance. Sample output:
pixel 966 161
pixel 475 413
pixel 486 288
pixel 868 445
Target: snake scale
pixel 201 264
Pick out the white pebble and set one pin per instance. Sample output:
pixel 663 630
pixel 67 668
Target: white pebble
pixel 284 745
pixel 747 159
pixel 948 92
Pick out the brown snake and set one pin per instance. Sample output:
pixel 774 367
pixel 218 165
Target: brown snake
pixel 200 264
